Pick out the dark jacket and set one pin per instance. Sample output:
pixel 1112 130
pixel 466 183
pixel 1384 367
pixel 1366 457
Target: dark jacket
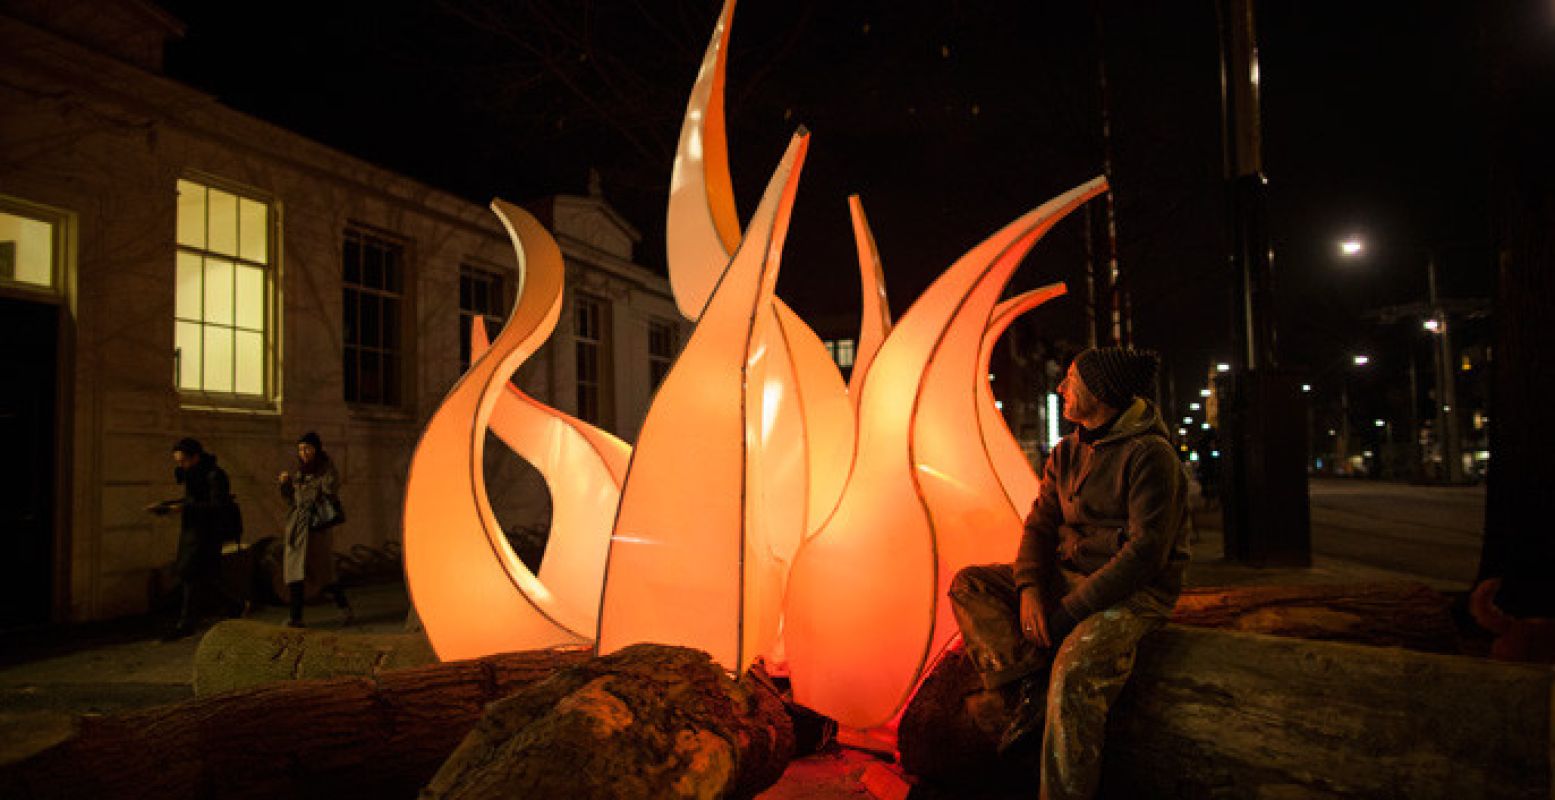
pixel 1114 511
pixel 206 490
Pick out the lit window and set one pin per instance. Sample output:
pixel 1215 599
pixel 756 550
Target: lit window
pixel 29 248
pixel 592 336
pixel 842 351
pixel 661 351
pixel 221 308
pixel 482 293
pixel 373 296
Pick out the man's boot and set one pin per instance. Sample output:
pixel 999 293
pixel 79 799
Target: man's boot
pixel 1028 712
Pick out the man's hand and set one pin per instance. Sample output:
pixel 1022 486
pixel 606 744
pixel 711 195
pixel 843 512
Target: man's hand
pixel 1033 617
pixel 284 477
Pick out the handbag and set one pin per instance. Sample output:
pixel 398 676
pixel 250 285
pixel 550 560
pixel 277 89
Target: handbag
pixel 327 513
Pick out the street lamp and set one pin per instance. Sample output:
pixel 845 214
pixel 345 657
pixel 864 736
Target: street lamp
pixel 1446 427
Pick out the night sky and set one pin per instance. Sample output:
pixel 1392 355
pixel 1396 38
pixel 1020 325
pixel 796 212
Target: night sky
pixel 948 118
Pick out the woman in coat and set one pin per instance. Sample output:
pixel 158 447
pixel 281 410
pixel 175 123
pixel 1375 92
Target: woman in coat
pixel 313 491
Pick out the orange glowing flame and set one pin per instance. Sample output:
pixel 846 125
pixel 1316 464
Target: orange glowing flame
pixel 768 509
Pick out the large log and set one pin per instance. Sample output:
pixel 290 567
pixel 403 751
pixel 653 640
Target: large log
pixel 381 736
pixel 237 654
pixel 648 722
pixel 1410 615
pixel 1214 714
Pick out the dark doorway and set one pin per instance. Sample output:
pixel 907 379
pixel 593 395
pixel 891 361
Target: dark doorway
pixel 29 334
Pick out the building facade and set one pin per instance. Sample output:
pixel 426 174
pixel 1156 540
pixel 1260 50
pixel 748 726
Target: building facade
pixel 170 267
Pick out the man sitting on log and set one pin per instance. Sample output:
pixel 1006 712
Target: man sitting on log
pixel 1100 565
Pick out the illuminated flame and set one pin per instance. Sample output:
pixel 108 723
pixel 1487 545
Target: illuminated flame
pixel 768 508
pixel 867 604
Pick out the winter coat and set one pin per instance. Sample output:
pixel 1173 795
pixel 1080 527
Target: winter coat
pixel 1114 511
pixel 206 490
pixel 310 553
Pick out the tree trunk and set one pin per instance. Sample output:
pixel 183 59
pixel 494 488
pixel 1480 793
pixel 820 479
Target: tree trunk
pixel 1519 544
pixel 237 654
pixel 382 736
pixel 648 722
pixel 1212 714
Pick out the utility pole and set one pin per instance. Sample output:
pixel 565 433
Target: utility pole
pixel 1265 507
pixel 1446 401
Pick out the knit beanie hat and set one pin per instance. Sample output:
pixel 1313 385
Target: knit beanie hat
pixel 1116 375
pixel 311 438
pixel 189 446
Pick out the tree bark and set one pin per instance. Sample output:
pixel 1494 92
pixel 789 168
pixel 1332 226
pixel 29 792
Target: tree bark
pixel 1409 615
pixel 647 722
pixel 382 736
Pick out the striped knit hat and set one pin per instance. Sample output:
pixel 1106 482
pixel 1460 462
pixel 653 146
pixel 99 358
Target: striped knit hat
pixel 1116 375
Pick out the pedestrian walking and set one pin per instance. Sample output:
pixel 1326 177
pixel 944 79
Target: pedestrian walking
pixel 313 492
pixel 208 515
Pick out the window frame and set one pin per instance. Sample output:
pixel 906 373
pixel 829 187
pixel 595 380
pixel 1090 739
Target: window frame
pixel 270 315
pixel 404 402
pixel 59 222
pixel 500 286
pixel 603 412
pixel 659 363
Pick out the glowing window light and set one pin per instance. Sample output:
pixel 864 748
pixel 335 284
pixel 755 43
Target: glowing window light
pixel 1222 367
pixel 1053 438
pixel 1204 393
pixel 1194 406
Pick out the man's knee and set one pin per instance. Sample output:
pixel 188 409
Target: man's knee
pixel 975 580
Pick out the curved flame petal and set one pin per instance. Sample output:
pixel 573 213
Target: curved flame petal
pixel 473 594
pixel 826 417
pixel 690 560
pixel 875 322
pixel 1009 461
pixel 583 467
pixel 866 601
pixel 701 226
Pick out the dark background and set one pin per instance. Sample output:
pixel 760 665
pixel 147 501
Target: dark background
pixel 949 119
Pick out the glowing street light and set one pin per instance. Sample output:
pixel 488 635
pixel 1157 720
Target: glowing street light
pixel 1204 393
pixel 1352 247
pixel 1194 406
pixel 1433 325
pixel 1361 360
pixel 1222 367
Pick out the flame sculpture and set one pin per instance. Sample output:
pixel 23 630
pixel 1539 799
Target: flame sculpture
pixel 768 509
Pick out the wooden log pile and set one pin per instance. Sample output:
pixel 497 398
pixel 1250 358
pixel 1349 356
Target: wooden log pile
pixel 648 722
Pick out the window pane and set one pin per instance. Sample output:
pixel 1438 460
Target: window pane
pixel 351 375
pixel 218 359
pixel 349 304
pixel 26 250
pixel 351 260
pixel 466 291
pixel 191 214
pixel 250 363
pixel 253 230
pixel 222 222
pixel 368 333
pixel 186 340
pixel 218 291
pixel 371 383
pixel 372 266
pixel 251 298
pixel 391 268
pixel 188 301
pixel 391 380
pixel 391 324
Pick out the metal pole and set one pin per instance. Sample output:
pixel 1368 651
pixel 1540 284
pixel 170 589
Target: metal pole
pixel 1416 467
pixel 1446 405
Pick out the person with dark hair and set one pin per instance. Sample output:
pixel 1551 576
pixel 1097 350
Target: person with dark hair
pixel 203 509
pixel 1100 565
pixel 313 491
